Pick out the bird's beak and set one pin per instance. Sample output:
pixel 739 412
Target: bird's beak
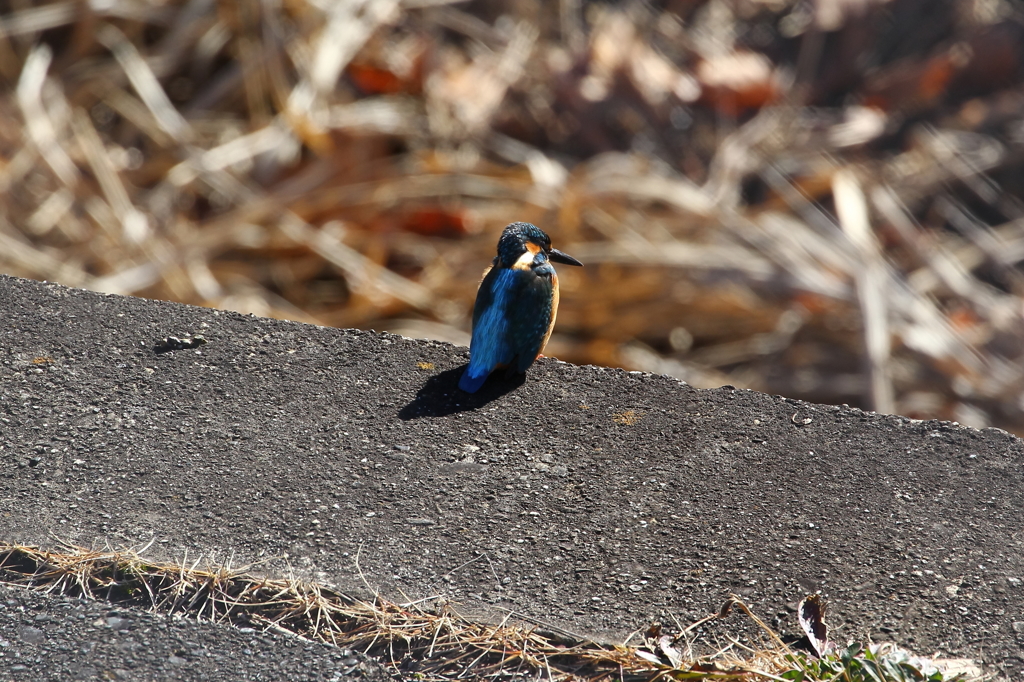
pixel 559 257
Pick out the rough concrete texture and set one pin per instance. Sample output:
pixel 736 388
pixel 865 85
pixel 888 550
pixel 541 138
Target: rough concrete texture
pixel 52 638
pixel 593 499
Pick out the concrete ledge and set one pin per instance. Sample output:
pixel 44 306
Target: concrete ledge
pixel 593 499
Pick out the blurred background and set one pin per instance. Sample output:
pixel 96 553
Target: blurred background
pixel 820 199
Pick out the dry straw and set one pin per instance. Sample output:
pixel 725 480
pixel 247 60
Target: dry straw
pixel 427 637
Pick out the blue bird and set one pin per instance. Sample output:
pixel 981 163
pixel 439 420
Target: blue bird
pixel 515 305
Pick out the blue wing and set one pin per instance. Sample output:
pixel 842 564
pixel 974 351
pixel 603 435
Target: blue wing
pixel 531 318
pixel 490 345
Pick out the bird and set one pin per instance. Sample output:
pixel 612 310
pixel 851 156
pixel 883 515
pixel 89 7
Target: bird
pixel 515 305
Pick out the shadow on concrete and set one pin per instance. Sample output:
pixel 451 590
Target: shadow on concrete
pixel 440 395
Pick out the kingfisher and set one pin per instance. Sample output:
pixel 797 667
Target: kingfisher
pixel 515 305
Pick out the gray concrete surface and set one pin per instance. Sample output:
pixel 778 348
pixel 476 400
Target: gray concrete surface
pixel 593 499
pixel 44 637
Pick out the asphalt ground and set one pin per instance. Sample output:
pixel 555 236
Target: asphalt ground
pixel 44 637
pixel 594 500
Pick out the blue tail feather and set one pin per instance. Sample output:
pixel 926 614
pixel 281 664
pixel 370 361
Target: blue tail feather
pixel 471 383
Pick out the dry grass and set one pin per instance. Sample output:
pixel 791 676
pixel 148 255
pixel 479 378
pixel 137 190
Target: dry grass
pixel 428 637
pixel 819 204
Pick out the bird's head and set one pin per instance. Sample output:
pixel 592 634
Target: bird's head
pixel 523 246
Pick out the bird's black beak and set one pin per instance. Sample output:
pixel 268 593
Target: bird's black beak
pixel 559 257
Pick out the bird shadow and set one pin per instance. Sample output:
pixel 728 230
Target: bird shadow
pixel 440 395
